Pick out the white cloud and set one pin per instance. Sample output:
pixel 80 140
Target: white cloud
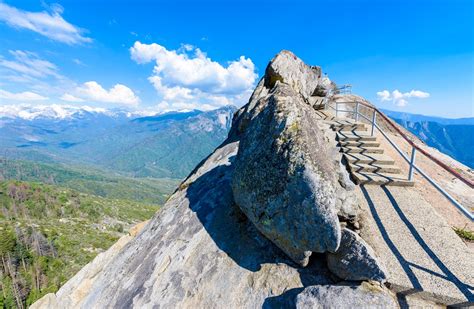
pixel 384 95
pixel 29 65
pixel 93 91
pixel 34 72
pixel 70 98
pixel 399 98
pixel 49 24
pixel 186 78
pixel 21 96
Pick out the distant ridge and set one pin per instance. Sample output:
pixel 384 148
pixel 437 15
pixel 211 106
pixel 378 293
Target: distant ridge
pixel 166 145
pixel 418 117
pixel 454 137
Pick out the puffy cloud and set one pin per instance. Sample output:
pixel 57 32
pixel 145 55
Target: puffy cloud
pixel 384 95
pixel 93 91
pixel 186 78
pixel 399 98
pixel 49 24
pixel 21 96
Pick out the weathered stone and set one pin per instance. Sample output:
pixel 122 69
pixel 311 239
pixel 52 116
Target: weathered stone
pixel 288 180
pixel 47 301
pixel 345 297
pixel 355 260
pixel 324 87
pixel 198 251
pixel 289 69
pixel 285 180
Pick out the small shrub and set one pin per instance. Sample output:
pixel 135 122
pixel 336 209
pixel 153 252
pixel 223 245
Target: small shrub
pixel 464 233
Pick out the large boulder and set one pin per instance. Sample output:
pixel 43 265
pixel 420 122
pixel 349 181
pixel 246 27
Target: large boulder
pixel 289 69
pixel 355 260
pixel 285 180
pixel 348 296
pixel 287 176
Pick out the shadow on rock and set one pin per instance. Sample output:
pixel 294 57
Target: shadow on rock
pixel 210 197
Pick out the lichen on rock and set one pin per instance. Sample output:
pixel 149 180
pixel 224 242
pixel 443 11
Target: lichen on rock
pixel 286 179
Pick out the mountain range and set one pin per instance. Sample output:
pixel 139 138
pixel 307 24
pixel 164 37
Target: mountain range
pixel 139 144
pixel 454 137
pixel 80 177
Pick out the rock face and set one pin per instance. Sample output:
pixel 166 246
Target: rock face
pixel 286 177
pixel 289 69
pixel 355 260
pixel 345 297
pixel 198 251
pixel 229 235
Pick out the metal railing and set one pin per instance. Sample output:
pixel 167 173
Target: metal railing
pixel 344 89
pixel 411 161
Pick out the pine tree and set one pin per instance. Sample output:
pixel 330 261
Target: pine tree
pixel 7 242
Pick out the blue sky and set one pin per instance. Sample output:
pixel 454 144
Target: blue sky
pixel 163 55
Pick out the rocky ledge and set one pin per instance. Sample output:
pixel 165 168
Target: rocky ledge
pixel 264 221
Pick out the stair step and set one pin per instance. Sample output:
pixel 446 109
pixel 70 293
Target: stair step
pixel 324 115
pixel 372 168
pixel 354 136
pixel 368 158
pixel 349 126
pixel 368 178
pixel 355 149
pixel 359 144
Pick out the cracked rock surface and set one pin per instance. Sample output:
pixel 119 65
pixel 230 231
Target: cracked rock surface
pixel 287 176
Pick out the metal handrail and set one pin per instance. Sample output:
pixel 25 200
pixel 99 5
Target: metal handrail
pixel 444 166
pixel 410 161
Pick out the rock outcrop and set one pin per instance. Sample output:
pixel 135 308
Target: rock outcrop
pixel 199 251
pixel 345 297
pixel 286 176
pixel 355 260
pixel 271 195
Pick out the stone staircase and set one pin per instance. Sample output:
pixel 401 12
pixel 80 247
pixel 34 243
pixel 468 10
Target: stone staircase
pixel 363 154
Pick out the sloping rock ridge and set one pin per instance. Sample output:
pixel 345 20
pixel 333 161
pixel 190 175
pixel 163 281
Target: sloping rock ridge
pixel 250 226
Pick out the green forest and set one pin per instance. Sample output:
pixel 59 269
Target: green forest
pixel 48 233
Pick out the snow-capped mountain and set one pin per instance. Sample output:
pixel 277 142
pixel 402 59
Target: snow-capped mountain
pixel 140 143
pixel 56 111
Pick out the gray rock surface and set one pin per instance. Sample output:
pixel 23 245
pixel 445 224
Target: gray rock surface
pixel 324 87
pixel 201 250
pixel 355 260
pixel 345 297
pixel 291 70
pixel 287 180
pixel 198 251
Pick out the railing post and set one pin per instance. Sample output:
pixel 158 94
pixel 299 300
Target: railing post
pixel 412 163
pixel 357 112
pixel 337 108
pixel 374 119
